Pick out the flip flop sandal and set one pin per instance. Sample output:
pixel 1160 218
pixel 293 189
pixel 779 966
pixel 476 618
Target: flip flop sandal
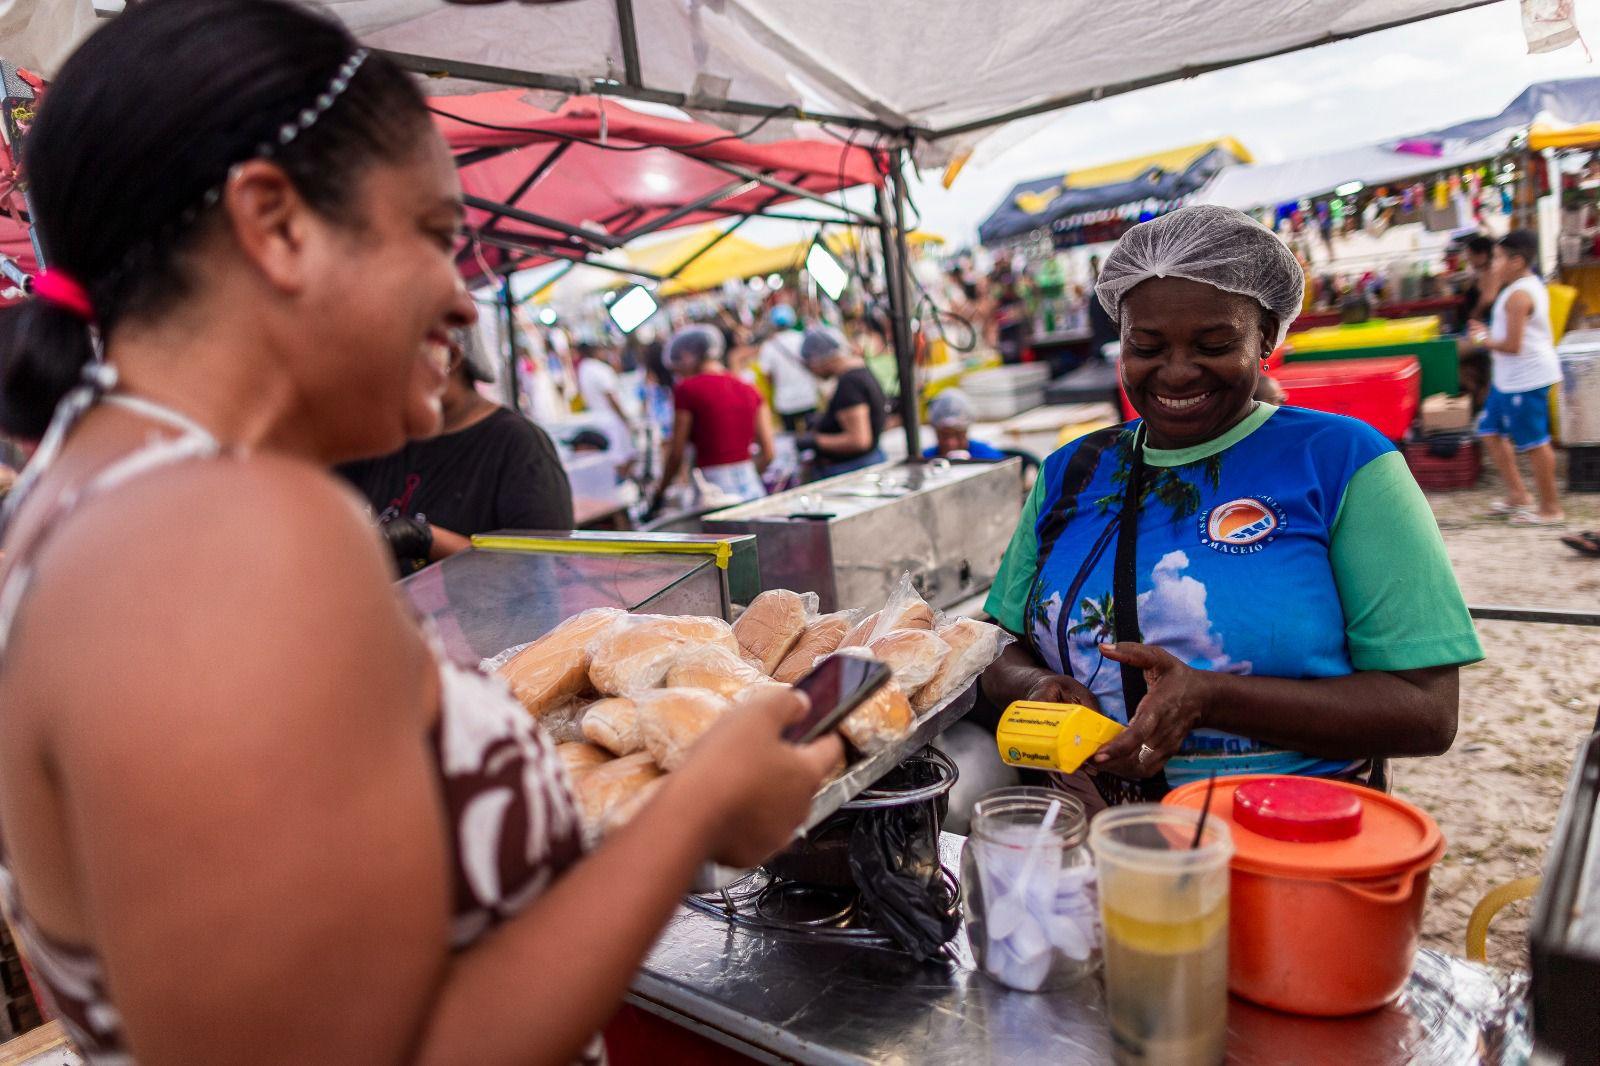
pixel 1583 544
pixel 1501 508
pixel 1529 518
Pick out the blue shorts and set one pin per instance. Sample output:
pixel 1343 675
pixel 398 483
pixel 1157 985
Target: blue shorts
pixel 1524 417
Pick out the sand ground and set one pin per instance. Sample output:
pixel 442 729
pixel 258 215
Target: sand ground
pixel 1524 711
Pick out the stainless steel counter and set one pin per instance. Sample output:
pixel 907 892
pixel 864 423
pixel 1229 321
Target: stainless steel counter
pixel 849 538
pixel 779 998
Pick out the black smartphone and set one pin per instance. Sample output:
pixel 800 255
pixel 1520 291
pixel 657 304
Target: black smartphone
pixel 838 685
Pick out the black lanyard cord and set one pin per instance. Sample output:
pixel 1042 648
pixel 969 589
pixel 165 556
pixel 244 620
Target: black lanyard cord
pixel 1125 599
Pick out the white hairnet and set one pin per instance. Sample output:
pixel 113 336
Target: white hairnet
pixel 1213 245
pixel 820 342
pixel 693 345
pixel 951 408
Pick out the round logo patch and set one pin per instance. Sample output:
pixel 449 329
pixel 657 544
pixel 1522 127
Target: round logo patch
pixel 1242 526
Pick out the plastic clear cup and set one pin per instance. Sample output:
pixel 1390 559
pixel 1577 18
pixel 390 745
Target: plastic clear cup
pixel 1164 908
pixel 1054 939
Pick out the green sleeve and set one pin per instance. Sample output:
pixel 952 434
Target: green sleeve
pixel 1402 607
pixel 1008 596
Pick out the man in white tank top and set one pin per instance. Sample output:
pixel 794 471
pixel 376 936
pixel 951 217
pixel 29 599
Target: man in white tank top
pixel 1516 417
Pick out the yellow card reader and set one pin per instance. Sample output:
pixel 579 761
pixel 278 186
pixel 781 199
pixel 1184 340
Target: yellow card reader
pixel 1052 736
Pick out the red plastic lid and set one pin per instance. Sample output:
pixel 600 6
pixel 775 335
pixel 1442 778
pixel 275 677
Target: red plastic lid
pixel 1300 809
pixel 1391 835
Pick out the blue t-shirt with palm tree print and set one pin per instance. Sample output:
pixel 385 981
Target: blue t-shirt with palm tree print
pixel 1295 545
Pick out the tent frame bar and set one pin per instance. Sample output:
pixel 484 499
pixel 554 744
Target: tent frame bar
pixel 861 217
pixel 724 192
pixel 630 44
pixel 437 67
pixel 500 240
pixel 539 171
pixel 517 214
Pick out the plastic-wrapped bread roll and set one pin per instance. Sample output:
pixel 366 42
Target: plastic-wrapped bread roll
pixel 555 668
pixel 608 787
pixel 880 722
pixel 913 654
pixel 860 633
pixel 760 688
pixel 564 723
pixel 821 637
pixel 715 669
pixel 621 813
pixel 771 624
pixel 636 653
pixel 672 719
pixel 580 757
pixel 614 725
pixel 973 646
pixel 904 609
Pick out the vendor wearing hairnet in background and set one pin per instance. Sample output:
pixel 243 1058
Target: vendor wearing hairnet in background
pixel 846 436
pixel 950 414
pixel 488 468
pixel 1253 589
pixel 723 417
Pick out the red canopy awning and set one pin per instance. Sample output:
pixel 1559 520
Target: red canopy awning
pixel 593 174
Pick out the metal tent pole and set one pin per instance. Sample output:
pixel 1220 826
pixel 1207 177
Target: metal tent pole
pixel 892 233
pixel 509 306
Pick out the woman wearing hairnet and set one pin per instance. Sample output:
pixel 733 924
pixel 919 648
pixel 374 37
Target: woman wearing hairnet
pixel 1252 589
pixel 721 416
pixel 950 414
pixel 846 435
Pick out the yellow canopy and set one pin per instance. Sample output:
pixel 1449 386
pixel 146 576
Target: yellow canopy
pixel 1583 135
pixel 734 258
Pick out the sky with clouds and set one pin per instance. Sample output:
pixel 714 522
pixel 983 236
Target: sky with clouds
pixel 1384 85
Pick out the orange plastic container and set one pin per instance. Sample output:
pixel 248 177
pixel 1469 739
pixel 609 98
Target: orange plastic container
pixel 1328 882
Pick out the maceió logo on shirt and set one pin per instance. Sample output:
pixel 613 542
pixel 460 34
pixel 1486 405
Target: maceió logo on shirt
pixel 1242 526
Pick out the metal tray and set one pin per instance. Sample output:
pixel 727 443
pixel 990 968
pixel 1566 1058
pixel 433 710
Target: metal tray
pixel 857 779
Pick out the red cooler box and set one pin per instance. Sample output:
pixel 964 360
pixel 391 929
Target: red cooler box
pixel 1384 393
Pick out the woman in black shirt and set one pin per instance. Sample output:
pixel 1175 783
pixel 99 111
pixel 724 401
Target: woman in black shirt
pixel 846 436
pixel 488 468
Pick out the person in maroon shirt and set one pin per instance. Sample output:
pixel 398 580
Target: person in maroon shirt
pixel 722 417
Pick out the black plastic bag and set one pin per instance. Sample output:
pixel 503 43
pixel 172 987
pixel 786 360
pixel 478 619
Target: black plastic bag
pixel 894 857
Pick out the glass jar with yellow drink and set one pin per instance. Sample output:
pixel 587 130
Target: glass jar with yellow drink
pixel 1164 907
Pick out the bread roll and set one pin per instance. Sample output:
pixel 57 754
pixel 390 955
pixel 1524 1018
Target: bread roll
pixel 621 812
pixel 771 624
pixel 672 719
pixel 760 688
pixel 713 668
pixel 581 757
pixel 636 654
pixel 880 722
pixel 610 787
pixel 913 654
pixel 555 668
pixel 614 725
pixel 821 637
pixel 973 646
pixel 860 633
pixel 913 614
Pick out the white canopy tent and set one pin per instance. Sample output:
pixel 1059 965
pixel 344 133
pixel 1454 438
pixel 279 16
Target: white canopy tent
pixel 1268 184
pixel 943 71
